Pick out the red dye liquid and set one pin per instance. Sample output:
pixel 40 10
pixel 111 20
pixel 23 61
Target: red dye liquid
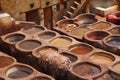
pixel 81 50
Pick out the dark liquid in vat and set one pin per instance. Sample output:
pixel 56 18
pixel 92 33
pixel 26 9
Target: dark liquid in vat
pixel 115 30
pixel 86 70
pixel 70 56
pixel 114 42
pixel 15 38
pixel 29 45
pixel 97 35
pixel 18 74
pixel 47 35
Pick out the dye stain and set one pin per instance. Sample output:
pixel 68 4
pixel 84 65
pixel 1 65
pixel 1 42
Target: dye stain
pixel 29 44
pixel 81 50
pixel 33 30
pixel 5 61
pixel 115 41
pixel 79 32
pixel 102 58
pixel 101 26
pixel 47 35
pixel 86 70
pixel 117 67
pixel 61 42
pixel 15 38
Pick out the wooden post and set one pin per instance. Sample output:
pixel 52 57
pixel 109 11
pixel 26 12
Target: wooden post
pixel 33 16
pixel 48 17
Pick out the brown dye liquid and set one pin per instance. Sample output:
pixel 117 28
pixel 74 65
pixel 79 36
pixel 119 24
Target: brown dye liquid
pixel 5 61
pixel 33 30
pixel 117 67
pixel 115 30
pixel 81 50
pixel 86 70
pixel 101 59
pixel 29 45
pixel 79 32
pixel 47 35
pixel 97 35
pixel 15 38
pixel 101 26
pixel 18 74
pixel 61 42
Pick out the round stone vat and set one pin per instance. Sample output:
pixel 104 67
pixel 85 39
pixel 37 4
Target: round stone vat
pixel 97 35
pixel 47 35
pixel 101 26
pixel 33 30
pixel 80 49
pixel 5 61
pixel 18 71
pixel 28 45
pixel 12 38
pixel 102 58
pixel 86 69
pixel 61 41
